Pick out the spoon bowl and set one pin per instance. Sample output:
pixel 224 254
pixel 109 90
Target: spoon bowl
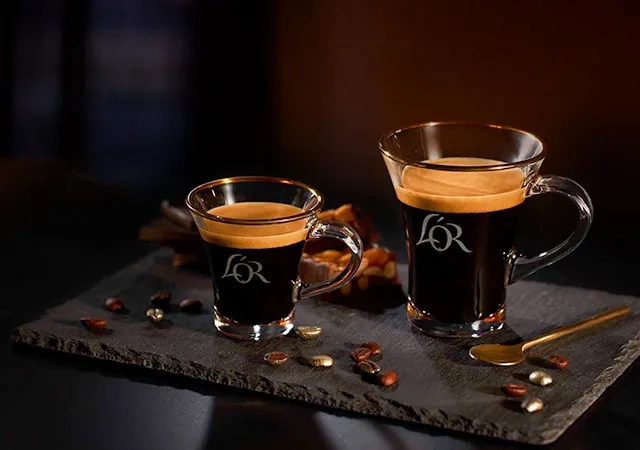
pixel 510 355
pixel 498 354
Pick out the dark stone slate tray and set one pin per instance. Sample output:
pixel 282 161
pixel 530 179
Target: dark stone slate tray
pixel 439 384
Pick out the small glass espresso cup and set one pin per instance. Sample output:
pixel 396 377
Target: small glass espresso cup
pixel 254 230
pixel 460 187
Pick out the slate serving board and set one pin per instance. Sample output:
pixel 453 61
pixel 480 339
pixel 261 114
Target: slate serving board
pixel 439 385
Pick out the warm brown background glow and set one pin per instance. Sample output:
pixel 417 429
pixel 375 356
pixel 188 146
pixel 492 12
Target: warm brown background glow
pixel 344 72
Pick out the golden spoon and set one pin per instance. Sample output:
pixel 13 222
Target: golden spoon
pixel 510 355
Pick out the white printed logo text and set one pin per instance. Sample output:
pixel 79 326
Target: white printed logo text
pixel 440 235
pixel 242 270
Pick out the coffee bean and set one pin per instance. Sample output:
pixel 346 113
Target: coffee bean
pixel 308 332
pixel 114 304
pixel 514 390
pixel 540 378
pixel 276 358
pixel 191 305
pixel 321 361
pixel 368 367
pixel 531 404
pixel 360 354
pixel 93 323
pixel 376 350
pixel 388 378
pixel 155 315
pixel 558 361
pixel 161 300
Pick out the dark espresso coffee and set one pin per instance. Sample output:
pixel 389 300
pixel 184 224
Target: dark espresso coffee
pixel 253 266
pixel 460 227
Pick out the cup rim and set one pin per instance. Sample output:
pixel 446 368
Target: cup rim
pixel 252 179
pixel 427 165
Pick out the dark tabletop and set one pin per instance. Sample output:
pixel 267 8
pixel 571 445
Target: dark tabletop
pixel 57 401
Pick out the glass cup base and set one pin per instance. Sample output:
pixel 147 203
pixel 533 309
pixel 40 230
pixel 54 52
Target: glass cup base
pixel 432 327
pixel 246 332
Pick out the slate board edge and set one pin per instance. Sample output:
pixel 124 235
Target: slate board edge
pixel 558 423
pixel 375 407
pixel 543 435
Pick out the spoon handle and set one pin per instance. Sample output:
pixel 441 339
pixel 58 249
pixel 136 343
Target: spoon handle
pixel 568 329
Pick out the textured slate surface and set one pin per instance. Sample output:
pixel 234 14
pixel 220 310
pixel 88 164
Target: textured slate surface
pixel 439 384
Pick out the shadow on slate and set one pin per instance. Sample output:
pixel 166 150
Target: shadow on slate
pixel 439 384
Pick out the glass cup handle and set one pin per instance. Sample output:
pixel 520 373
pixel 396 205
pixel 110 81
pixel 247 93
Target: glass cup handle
pixel 519 266
pixel 344 233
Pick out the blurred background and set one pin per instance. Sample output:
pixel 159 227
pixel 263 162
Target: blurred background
pixel 145 99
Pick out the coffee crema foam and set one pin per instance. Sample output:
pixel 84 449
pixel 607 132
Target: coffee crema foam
pixel 254 236
pixel 461 192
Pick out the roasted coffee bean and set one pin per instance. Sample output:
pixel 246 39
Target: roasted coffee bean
pixel 276 358
pixel 360 354
pixel 388 378
pixel 376 350
pixel 93 323
pixel 321 361
pixel 514 390
pixel 308 332
pixel 540 378
pixel 531 404
pixel 368 367
pixel 114 304
pixel 161 299
pixel 191 305
pixel 558 361
pixel 155 315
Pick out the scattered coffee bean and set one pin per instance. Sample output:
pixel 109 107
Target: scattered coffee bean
pixel 161 300
pixel 368 367
pixel 276 358
pixel 540 378
pixel 558 361
pixel 308 332
pixel 531 404
pixel 93 323
pixel 376 350
pixel 388 378
pixel 114 304
pixel 191 305
pixel 514 390
pixel 155 315
pixel 360 354
pixel 321 361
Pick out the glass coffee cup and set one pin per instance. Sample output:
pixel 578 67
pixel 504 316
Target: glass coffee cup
pixel 254 230
pixel 461 187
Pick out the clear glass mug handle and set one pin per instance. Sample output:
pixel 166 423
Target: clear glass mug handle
pixel 519 266
pixel 350 238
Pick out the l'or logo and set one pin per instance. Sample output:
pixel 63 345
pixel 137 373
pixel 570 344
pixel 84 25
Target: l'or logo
pixel 243 272
pixel 452 233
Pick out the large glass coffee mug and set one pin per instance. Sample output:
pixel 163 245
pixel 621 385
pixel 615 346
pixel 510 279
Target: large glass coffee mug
pixel 460 187
pixel 254 230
